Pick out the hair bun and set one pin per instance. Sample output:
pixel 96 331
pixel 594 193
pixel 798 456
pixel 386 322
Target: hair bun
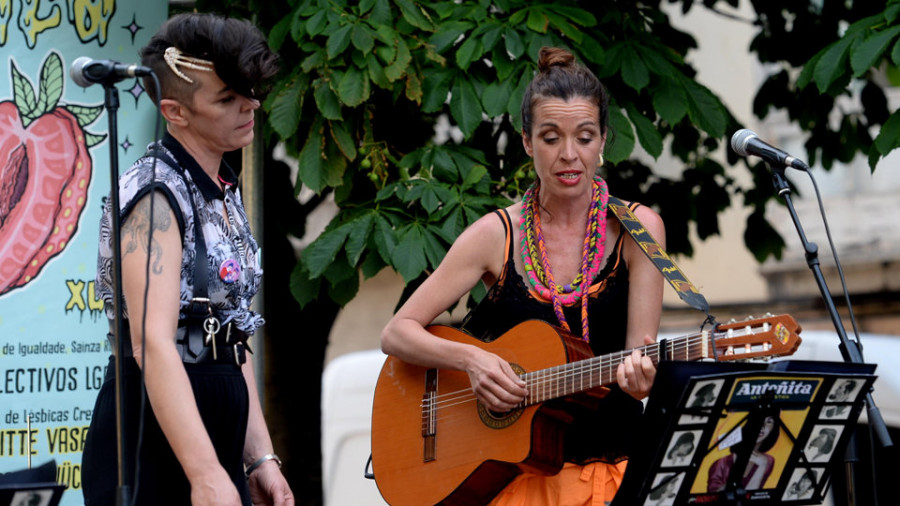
pixel 554 57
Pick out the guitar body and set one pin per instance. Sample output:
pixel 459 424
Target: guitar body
pixel 473 453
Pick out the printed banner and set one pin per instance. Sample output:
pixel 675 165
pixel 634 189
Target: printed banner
pixel 54 179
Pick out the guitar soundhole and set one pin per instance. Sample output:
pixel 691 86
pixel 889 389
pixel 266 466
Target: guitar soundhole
pixel 500 420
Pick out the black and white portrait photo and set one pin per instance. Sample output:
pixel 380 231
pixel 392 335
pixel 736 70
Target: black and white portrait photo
pixel 822 442
pixel 665 489
pixel 681 448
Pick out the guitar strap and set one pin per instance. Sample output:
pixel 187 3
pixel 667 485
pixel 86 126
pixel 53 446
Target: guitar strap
pixel 655 252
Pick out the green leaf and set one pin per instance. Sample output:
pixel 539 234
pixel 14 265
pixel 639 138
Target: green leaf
pixel 491 37
pixel 469 51
pixel 514 43
pixel 436 89
pixel 345 290
pixel 704 108
pixel 343 139
pixel 537 20
pixel 622 143
pixel 316 59
pixel 502 63
pixel 354 87
pixel 362 38
pixel 634 72
pixel 669 102
pixel 304 289
pixel 91 140
pixel 414 15
pixel 23 95
pixel 473 176
pixel 372 264
pixel 315 169
pixel 572 32
pixel 656 62
pixel 85 115
pixel 317 22
pixel 895 54
pixel 867 54
pixel 384 237
pixel 50 85
pixel 338 41
pixel 285 108
pixel 889 136
pixel 434 250
pixel 514 107
pixel 326 100
pixel 397 69
pixel 376 72
pixel 494 98
pixel 832 64
pixel 430 200
pixel 447 33
pixel 806 75
pixel 365 6
pixel 360 230
pixel 409 255
pixel 647 133
pixel 465 106
pixel 321 252
pixel 279 33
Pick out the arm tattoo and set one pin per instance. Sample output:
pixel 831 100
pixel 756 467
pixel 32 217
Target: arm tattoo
pixel 136 229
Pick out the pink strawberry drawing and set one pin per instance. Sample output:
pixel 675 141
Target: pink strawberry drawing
pixel 45 171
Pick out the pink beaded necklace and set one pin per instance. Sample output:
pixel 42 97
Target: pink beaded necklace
pixel 537 264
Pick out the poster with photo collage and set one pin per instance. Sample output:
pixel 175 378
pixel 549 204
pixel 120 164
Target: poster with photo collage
pixel 786 426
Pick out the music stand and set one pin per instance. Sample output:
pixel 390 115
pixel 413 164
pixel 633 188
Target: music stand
pixel 743 433
pixel 31 487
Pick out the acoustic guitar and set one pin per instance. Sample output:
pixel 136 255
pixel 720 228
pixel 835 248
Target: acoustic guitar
pixel 434 443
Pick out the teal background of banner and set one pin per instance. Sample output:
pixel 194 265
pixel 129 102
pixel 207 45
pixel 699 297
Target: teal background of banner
pixel 52 329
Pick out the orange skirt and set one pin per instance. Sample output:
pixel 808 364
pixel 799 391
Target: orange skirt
pixel 593 484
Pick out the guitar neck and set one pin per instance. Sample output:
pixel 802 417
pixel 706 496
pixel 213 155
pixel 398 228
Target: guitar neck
pixel 582 375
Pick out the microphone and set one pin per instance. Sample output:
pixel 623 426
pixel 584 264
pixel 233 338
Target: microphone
pixel 745 143
pixel 87 71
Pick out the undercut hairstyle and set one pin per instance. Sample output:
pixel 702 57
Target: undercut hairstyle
pixel 560 76
pixel 237 49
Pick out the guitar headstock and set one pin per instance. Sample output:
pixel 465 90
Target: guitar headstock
pixel 769 336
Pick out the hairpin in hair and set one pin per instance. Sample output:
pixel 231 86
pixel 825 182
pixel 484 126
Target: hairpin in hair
pixel 174 57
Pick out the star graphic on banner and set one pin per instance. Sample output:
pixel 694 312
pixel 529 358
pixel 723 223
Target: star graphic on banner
pixel 126 144
pixel 133 27
pixel 136 91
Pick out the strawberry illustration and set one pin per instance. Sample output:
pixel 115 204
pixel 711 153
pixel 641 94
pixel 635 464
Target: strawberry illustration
pixel 45 172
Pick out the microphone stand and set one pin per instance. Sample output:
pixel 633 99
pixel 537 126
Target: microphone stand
pixel 123 496
pixel 849 349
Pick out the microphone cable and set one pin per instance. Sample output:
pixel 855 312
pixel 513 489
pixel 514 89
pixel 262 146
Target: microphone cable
pixel 152 194
pixel 858 343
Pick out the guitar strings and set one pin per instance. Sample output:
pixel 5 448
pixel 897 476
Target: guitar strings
pixel 570 373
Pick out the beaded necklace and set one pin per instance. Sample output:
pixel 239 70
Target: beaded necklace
pixel 537 264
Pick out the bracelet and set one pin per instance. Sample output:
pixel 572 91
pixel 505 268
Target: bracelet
pixel 260 461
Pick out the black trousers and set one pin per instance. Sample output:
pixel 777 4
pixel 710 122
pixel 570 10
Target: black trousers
pixel 153 472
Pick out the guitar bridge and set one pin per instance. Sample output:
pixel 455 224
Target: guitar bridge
pixel 429 415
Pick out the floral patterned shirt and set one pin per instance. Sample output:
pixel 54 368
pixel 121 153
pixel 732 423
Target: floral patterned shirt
pixel 233 255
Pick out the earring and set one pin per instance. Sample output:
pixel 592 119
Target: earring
pixel 600 163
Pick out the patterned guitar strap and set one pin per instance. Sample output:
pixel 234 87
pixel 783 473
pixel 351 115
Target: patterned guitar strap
pixel 673 274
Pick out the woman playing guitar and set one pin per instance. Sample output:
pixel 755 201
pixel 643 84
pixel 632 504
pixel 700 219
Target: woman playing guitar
pixel 557 256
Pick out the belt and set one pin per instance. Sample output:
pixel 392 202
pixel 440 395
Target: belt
pixel 198 345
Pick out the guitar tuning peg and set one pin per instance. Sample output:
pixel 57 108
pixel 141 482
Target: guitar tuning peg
pixel 769 314
pixel 749 317
pixel 732 321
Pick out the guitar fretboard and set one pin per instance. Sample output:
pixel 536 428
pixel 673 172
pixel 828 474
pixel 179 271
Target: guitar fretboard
pixel 582 375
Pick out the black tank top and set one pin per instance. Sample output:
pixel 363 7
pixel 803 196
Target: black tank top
pixel 607 433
